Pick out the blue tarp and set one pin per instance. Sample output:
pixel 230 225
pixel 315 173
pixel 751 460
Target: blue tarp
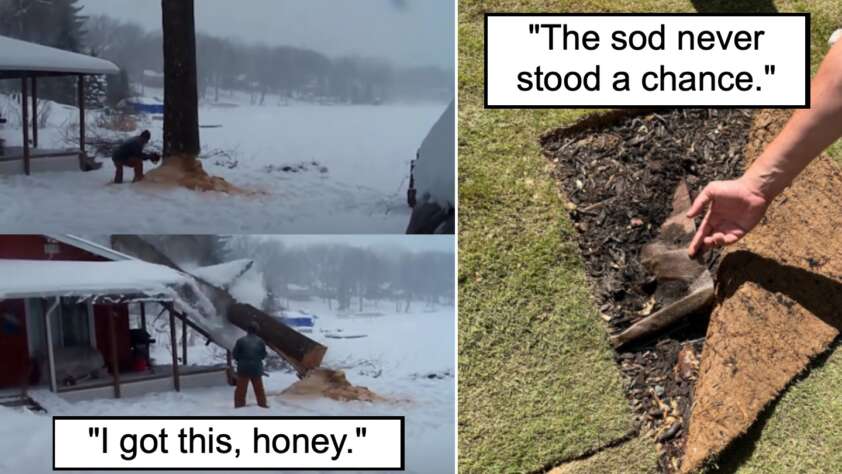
pixel 146 108
pixel 300 322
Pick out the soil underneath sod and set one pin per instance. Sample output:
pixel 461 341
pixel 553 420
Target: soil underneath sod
pixel 619 171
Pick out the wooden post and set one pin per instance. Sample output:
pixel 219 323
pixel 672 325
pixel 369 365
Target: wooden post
pixel 51 357
pixel 81 97
pixel 24 113
pixel 174 348
pixel 143 316
pixel 229 368
pixel 34 112
pixel 115 363
pixel 184 341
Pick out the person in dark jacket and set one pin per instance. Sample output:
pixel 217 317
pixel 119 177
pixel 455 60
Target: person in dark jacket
pixel 130 154
pixel 249 352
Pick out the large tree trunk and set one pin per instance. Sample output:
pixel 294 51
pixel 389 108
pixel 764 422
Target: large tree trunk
pixel 181 97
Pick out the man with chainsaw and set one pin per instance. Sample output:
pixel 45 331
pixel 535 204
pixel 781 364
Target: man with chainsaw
pixel 130 154
pixel 736 206
pixel 249 352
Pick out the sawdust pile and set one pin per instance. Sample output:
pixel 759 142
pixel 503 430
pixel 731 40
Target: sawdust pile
pixel 779 294
pixel 329 383
pixel 187 172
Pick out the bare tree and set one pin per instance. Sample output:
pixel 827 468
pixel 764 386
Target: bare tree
pixel 181 96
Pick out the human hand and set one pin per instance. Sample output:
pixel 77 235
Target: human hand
pixel 733 209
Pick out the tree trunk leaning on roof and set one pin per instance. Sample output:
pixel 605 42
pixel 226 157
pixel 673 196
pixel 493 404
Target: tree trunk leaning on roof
pixel 181 96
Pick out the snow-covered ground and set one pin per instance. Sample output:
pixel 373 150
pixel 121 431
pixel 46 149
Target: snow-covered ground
pixel 353 160
pixel 408 358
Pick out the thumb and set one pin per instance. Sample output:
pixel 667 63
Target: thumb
pixel 700 202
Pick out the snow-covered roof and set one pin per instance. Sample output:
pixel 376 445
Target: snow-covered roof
pixel 46 278
pixel 90 246
pixel 23 56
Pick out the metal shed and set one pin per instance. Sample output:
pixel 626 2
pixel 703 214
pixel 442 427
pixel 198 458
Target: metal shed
pixel 28 62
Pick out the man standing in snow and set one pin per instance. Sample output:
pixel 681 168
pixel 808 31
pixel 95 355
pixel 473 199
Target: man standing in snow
pixel 130 153
pixel 249 352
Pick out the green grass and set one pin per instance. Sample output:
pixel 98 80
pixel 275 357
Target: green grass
pixel 801 433
pixel 536 381
pixel 635 457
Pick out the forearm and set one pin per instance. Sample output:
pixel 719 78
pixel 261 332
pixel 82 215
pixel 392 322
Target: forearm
pixel 806 135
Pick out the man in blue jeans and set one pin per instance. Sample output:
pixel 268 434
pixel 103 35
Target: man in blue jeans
pixel 249 352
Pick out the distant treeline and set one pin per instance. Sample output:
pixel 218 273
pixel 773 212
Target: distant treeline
pixel 345 274
pixel 226 64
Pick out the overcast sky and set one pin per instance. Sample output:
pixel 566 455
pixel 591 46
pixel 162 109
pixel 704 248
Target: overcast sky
pixel 408 32
pixel 415 243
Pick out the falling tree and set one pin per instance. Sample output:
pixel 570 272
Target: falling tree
pixel 181 97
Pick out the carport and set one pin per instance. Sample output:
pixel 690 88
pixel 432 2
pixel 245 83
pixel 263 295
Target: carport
pixel 29 62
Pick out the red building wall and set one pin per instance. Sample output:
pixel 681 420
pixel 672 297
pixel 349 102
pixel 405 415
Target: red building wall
pixel 34 247
pixel 14 351
pixel 120 313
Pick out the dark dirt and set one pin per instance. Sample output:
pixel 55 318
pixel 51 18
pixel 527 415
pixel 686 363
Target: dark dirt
pixel 302 167
pixel 619 171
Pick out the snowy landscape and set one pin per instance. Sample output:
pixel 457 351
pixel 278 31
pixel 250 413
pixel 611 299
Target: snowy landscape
pixel 283 150
pixel 402 349
pixel 407 358
pixel 309 124
pixel 309 168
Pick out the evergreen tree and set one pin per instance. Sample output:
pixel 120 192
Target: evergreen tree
pixel 55 23
pixel 96 90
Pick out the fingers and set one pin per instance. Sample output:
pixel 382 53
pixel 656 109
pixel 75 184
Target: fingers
pixel 717 239
pixel 721 239
pixel 701 235
pixel 731 238
pixel 701 201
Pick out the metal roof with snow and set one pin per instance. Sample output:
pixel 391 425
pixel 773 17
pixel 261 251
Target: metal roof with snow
pixel 90 246
pixel 49 278
pixel 19 58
